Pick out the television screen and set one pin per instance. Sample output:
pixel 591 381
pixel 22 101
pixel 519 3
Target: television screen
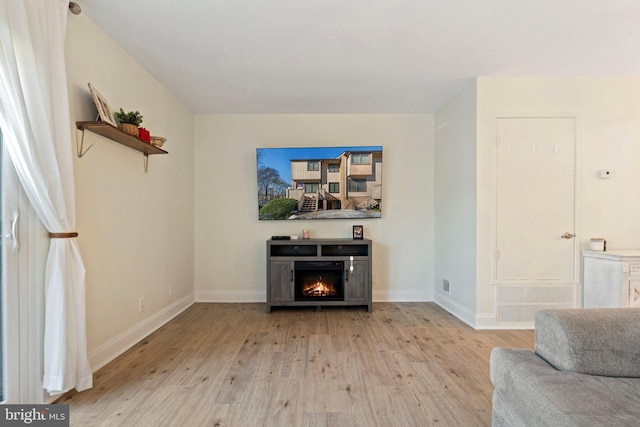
pixel 319 182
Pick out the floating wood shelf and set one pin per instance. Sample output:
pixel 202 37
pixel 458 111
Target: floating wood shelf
pixel 113 133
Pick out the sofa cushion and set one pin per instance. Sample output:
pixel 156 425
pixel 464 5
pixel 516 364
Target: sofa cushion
pixel 530 392
pixel 590 341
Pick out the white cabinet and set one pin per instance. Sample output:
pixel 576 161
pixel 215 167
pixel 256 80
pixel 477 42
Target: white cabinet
pixel 611 279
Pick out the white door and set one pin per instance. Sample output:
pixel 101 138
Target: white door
pixel 535 213
pixel 10 280
pixel 24 245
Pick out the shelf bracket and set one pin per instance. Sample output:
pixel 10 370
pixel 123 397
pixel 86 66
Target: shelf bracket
pixel 80 146
pixel 146 162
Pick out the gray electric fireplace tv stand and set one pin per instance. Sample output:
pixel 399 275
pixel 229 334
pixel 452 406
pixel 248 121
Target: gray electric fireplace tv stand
pixel 319 272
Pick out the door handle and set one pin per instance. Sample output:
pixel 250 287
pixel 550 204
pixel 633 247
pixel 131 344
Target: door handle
pixel 567 235
pixel 12 235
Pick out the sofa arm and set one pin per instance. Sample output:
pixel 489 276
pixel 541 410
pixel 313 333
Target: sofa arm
pixel 590 341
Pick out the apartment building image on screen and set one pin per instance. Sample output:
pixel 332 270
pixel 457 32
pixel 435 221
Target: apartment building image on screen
pixel 319 182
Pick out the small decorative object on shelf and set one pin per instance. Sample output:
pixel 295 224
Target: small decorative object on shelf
pixel 358 232
pixel 598 244
pixel 144 135
pixel 101 105
pixel 305 234
pixel 129 122
pixel 158 141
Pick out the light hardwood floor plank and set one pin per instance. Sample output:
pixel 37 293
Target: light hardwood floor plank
pixel 409 364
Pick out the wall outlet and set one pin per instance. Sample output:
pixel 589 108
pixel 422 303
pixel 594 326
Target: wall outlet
pixel 141 304
pixel 445 285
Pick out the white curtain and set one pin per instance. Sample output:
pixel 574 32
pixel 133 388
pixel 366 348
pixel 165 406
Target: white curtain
pixel 34 118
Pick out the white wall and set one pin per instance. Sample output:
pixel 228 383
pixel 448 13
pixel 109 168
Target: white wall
pixel 455 205
pixel 230 240
pixel 608 112
pixel 136 228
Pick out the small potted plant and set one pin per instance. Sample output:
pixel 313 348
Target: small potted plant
pixel 128 122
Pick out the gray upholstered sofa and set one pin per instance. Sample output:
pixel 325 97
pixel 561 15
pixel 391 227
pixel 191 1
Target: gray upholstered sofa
pixel 585 371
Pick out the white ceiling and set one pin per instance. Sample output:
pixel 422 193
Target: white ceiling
pixel 363 56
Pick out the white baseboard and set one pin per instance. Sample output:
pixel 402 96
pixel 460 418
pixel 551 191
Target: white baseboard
pixel 462 313
pixel 477 321
pixel 231 296
pixel 489 321
pixel 394 296
pixel 123 342
pixel 486 321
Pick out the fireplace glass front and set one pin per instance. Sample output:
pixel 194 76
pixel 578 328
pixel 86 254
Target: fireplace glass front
pixel 319 280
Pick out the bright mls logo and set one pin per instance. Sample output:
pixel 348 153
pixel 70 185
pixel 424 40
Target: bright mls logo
pixel 35 415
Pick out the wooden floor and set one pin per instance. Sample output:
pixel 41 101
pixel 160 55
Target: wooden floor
pixel 404 364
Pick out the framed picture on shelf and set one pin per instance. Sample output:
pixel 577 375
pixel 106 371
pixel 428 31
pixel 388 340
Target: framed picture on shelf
pixel 358 232
pixel 103 106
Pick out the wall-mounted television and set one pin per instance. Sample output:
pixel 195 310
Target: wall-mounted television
pixel 319 182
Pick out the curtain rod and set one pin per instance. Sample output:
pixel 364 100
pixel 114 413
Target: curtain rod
pixel 75 8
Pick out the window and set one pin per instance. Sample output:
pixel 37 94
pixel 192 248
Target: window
pixel 360 159
pixel 333 167
pixel 357 185
pixel 334 187
pixel 310 187
pixel 313 165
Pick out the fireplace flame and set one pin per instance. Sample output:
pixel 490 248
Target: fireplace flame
pixel 319 289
